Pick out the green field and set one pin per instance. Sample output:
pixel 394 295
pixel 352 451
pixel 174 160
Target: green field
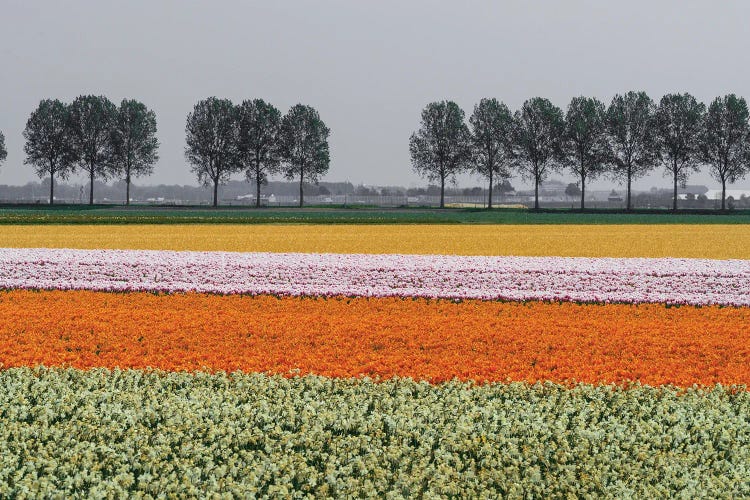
pixel 107 214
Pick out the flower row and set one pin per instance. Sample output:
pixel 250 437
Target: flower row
pixel 621 239
pixel 101 433
pixel 433 340
pixel 625 280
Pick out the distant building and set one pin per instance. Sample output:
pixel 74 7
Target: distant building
pixel 715 194
pixel 614 197
pixel 552 187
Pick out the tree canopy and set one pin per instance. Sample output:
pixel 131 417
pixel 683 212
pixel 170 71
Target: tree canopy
pixel 3 151
pixel 584 142
pixel 304 146
pixel 537 136
pixel 442 147
pixel 492 136
pixel 48 144
pixel 133 143
pixel 258 141
pixel 211 142
pixel 632 139
pixel 572 190
pixel 724 142
pixel 91 120
pixel 627 139
pixel 678 120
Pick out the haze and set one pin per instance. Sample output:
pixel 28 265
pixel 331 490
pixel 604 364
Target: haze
pixel 368 67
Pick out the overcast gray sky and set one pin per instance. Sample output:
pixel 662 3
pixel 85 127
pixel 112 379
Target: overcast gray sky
pixel 368 67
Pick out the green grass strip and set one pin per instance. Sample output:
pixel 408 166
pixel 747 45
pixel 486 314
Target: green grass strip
pixel 103 214
pixel 130 433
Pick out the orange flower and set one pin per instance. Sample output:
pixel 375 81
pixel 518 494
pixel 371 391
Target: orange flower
pixel 435 340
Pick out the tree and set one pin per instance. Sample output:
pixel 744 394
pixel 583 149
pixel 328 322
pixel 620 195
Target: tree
pixel 584 141
pixel 678 121
pixel 491 133
pixel 259 127
pixel 304 146
pixel 91 120
pixel 442 147
pixel 629 124
pixel 504 187
pixel 48 144
pixel 3 151
pixel 537 135
pixel 724 143
pixel 133 143
pixel 572 190
pixel 211 142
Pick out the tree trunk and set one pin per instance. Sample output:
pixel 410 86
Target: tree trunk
pixel 51 187
pixel 257 190
pixel 301 178
pixel 127 189
pixel 583 192
pixel 674 201
pixel 628 206
pixel 442 191
pixel 216 192
pixel 536 193
pixel 91 186
pixel 489 198
pixel 723 193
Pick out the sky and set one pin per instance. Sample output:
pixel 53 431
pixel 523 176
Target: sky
pixel 368 67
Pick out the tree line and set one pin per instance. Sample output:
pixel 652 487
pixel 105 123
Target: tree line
pixel 625 140
pixel 106 141
pixel 94 135
pixel 252 137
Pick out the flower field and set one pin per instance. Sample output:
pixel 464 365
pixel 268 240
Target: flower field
pixel 340 337
pixel 710 241
pixel 428 365
pixel 117 433
pixel 605 280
